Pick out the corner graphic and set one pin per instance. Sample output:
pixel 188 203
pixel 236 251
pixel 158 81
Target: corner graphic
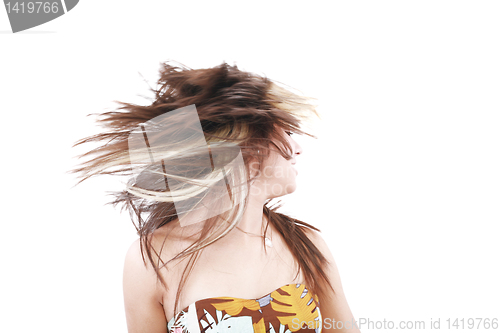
pixel 24 15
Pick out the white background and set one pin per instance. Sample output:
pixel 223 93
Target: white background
pixel 403 179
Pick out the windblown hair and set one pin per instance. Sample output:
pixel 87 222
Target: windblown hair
pixel 234 108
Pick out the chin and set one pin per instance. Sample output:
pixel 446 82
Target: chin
pixel 284 189
pixel 290 188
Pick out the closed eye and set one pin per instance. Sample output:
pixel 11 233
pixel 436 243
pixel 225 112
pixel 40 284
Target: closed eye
pixel 289 133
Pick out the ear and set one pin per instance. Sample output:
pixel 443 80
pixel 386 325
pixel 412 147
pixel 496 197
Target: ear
pixel 253 167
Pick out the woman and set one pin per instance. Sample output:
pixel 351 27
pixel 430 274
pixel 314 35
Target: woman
pixel 203 161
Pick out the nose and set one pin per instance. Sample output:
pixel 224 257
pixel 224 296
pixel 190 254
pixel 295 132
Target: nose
pixel 298 148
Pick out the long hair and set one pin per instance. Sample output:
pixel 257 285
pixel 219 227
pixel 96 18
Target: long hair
pixel 235 108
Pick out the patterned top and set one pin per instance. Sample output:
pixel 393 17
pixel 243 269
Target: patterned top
pixel 291 308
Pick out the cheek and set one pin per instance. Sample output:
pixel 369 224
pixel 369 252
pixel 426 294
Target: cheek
pixel 277 170
pixel 282 173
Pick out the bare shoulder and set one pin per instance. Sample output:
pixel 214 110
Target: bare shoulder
pixel 135 265
pixel 142 297
pixel 330 266
pixel 320 243
pixel 162 246
pixel 333 305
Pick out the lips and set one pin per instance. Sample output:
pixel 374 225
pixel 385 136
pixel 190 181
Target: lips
pixel 293 166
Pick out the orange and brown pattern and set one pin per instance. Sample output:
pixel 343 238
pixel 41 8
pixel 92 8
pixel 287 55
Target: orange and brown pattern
pixel 291 308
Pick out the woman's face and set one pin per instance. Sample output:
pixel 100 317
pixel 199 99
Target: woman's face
pixel 277 177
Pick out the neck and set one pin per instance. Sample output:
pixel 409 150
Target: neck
pixel 253 219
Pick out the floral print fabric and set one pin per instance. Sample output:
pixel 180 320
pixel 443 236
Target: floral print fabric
pixel 291 308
